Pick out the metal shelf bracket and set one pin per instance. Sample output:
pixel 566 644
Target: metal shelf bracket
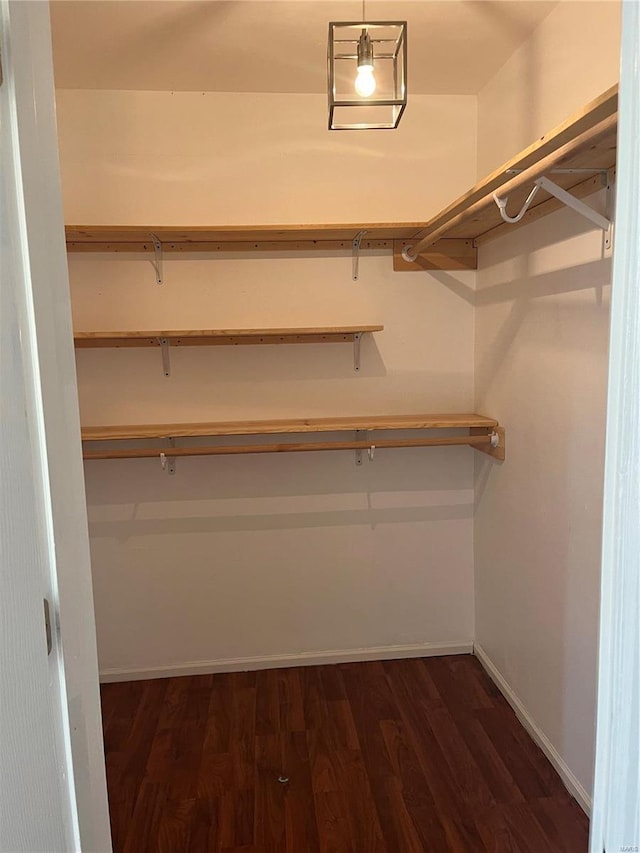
pixel 355 254
pixel 356 350
pixel 167 462
pixel 610 208
pixel 562 195
pixel 166 360
pixel 157 263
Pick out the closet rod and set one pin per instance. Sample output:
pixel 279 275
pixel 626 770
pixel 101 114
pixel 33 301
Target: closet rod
pixel 410 253
pixel 150 452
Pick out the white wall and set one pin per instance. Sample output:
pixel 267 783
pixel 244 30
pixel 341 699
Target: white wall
pixel 570 59
pixel 235 159
pixel 246 561
pixel 542 317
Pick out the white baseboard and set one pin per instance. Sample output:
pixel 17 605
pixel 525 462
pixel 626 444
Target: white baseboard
pixel 570 782
pixel 205 667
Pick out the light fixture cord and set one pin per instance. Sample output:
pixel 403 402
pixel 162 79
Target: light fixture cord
pixel 363 14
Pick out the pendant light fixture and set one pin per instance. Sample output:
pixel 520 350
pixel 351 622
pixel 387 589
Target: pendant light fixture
pixel 367 74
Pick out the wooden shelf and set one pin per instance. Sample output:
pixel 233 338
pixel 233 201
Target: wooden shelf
pixel 235 238
pixel 479 431
pixel 292 425
pixel 222 337
pixel 448 254
pixel 226 337
pixel 586 140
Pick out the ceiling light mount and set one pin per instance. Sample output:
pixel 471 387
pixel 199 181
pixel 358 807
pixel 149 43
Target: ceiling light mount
pixel 365 84
pixel 360 99
pixel 365 50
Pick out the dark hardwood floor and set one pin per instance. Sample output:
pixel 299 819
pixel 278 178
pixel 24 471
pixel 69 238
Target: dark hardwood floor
pixel 384 757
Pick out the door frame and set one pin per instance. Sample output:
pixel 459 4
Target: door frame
pixel 615 820
pixel 615 816
pixel 29 65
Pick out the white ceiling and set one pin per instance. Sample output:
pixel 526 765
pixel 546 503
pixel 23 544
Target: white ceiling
pixel 455 46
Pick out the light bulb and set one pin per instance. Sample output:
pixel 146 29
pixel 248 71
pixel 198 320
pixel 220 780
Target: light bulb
pixel 365 81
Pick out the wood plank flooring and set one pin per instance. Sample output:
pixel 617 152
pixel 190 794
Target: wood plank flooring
pixel 381 757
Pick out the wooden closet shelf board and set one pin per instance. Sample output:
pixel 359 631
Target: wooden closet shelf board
pixel 444 254
pixel 598 152
pixel 194 238
pixel 297 425
pixel 467 222
pixel 222 337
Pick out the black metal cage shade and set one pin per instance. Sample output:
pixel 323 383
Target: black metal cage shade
pixel 383 109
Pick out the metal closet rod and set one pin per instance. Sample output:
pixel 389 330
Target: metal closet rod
pixel 221 450
pixel 531 174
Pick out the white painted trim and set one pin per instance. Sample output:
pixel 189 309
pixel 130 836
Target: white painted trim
pixel 204 667
pixel 569 780
pixel 616 812
pixel 28 64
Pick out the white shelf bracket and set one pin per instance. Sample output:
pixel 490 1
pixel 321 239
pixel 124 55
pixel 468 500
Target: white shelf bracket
pixel 356 351
pixel 157 263
pixel 167 462
pixel 562 195
pixel 609 183
pixel 355 254
pixel 166 359
pixel 361 435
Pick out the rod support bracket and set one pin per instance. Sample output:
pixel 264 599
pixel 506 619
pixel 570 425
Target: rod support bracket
pixel 407 254
pixel 562 195
pixel 496 446
pixel 355 254
pixel 502 205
